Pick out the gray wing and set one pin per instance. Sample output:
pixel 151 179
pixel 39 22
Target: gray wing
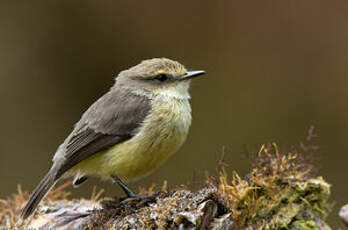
pixel 112 119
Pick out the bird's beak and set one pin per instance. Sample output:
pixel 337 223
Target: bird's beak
pixel 192 74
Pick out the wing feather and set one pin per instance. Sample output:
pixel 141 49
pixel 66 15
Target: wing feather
pixel 112 119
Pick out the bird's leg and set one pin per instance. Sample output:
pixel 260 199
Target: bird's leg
pixel 124 187
pixel 128 191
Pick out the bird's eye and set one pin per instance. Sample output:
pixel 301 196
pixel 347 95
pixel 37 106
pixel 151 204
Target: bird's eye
pixel 161 77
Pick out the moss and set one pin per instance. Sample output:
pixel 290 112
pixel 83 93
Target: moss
pixel 279 187
pixel 308 221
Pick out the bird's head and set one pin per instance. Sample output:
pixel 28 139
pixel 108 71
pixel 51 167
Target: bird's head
pixel 158 76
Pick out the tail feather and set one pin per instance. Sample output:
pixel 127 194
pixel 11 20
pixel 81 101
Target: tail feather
pixel 39 193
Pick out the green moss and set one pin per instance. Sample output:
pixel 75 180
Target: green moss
pixel 280 188
pixel 308 221
pixel 304 225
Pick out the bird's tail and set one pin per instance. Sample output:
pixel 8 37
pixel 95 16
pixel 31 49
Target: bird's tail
pixel 39 193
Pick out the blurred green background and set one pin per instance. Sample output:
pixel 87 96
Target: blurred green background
pixel 273 69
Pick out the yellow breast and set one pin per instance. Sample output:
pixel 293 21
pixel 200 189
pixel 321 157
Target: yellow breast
pixel 161 134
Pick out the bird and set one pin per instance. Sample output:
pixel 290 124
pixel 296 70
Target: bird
pixel 128 132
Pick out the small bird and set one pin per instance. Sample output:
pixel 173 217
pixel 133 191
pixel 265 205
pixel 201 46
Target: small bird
pixel 128 132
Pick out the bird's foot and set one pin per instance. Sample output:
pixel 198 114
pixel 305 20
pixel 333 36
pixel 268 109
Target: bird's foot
pixel 132 196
